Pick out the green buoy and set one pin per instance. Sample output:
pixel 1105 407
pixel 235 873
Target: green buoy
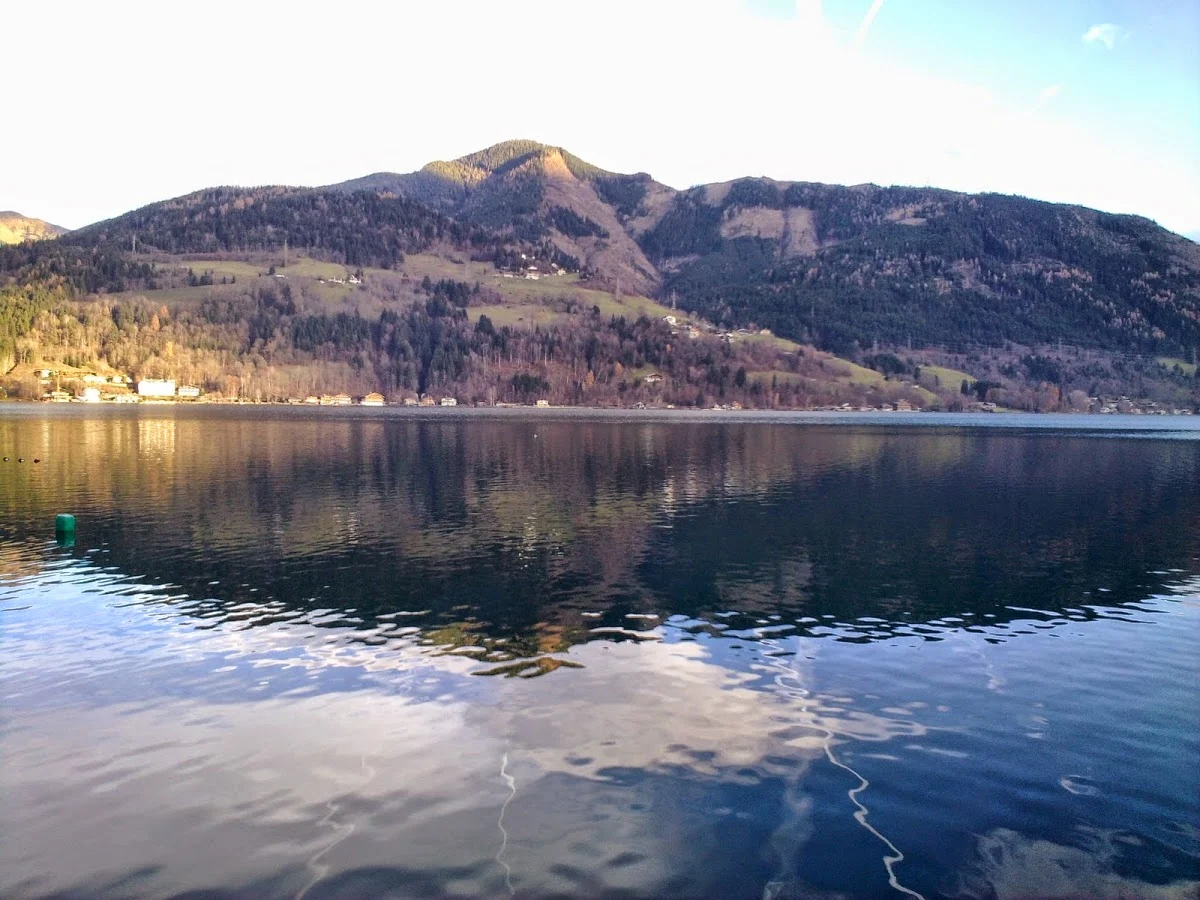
pixel 64 529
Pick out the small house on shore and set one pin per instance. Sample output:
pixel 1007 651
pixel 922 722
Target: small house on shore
pixel 156 387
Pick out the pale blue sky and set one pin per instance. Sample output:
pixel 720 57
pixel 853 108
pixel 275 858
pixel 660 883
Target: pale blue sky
pixel 132 101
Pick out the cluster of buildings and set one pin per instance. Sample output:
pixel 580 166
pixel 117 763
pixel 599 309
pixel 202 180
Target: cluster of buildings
pixel 900 405
pixel 372 399
pixel 1119 405
pixel 95 387
pixel 530 272
pixel 694 331
pixel 160 389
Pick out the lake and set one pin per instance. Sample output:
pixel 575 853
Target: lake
pixel 356 654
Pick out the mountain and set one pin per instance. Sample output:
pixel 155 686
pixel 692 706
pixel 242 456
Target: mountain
pixel 855 266
pixel 839 266
pixel 15 228
pixel 537 192
pixel 523 268
pixel 360 228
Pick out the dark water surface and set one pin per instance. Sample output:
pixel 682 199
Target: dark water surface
pixel 321 654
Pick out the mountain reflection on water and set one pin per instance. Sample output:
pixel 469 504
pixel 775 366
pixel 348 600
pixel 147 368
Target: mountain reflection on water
pixel 256 671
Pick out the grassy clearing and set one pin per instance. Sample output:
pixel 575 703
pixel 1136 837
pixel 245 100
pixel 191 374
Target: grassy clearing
pixel 928 398
pixel 1170 362
pixel 219 268
pixel 298 267
pixel 519 315
pixel 524 291
pixel 852 373
pixel 947 379
pixel 770 339
pixel 526 302
pixel 768 377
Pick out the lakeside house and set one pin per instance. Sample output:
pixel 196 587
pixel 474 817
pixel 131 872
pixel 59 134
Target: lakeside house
pixel 449 401
pixel 410 401
pixel 542 403
pixel 340 400
pixel 374 399
pixel 156 388
pixel 188 392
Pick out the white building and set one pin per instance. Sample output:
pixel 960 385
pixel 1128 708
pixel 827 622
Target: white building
pixel 90 395
pixel 188 391
pixel 449 401
pixel 153 387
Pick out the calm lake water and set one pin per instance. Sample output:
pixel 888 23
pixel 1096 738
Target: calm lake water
pixel 316 654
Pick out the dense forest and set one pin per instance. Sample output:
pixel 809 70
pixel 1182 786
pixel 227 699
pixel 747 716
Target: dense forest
pixel 356 229
pixel 969 271
pixel 36 277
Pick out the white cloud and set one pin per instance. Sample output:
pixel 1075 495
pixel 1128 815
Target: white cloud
pixel 865 26
pixel 1105 34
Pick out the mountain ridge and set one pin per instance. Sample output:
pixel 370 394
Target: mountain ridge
pixel 840 267
pixel 522 271
pixel 775 252
pixel 16 228
pixel 526 186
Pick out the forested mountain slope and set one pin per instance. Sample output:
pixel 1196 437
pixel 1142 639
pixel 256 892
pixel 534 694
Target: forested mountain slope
pixel 841 266
pixel 848 267
pixel 359 228
pixel 1003 296
pixel 535 192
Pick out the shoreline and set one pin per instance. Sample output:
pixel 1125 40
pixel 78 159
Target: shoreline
pixel 1185 424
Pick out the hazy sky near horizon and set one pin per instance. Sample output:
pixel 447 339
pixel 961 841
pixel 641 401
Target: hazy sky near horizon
pixel 116 104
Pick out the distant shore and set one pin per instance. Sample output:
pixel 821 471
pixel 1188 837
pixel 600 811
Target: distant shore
pixel 1186 424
